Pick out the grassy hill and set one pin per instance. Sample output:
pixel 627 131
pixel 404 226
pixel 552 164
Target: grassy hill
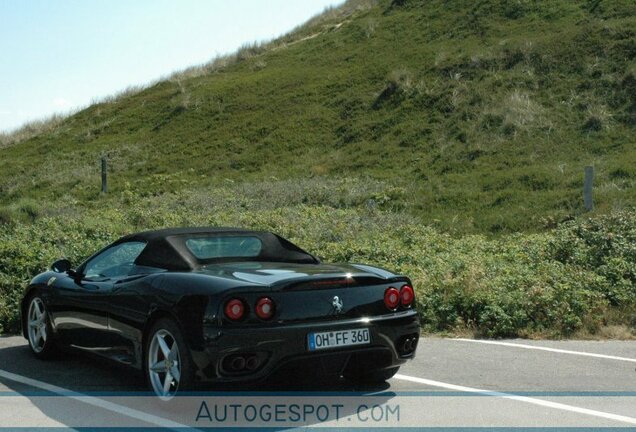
pixel 475 116
pixel 443 140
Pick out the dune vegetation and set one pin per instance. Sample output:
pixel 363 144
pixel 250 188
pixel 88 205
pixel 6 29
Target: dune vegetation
pixel 446 140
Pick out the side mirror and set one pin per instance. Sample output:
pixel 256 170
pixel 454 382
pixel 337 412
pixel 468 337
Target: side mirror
pixel 61 266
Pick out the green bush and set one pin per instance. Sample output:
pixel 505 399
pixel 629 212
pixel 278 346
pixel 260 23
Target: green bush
pixel 607 246
pixel 575 278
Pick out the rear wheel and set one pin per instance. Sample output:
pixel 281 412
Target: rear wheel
pixel 39 331
pixel 375 377
pixel 168 365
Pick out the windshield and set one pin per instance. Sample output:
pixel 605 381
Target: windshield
pixel 204 248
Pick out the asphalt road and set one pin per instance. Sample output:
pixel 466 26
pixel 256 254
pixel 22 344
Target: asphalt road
pixel 451 383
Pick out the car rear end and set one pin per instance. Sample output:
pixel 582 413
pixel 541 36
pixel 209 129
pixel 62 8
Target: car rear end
pixel 318 320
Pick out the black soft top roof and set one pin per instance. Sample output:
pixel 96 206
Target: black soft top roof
pixel 166 248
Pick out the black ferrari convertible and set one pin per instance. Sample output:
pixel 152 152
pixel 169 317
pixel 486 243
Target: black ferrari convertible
pixel 206 305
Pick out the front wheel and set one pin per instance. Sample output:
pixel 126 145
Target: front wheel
pixel 39 331
pixel 168 365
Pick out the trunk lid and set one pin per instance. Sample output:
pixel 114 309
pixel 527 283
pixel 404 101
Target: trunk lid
pixel 310 292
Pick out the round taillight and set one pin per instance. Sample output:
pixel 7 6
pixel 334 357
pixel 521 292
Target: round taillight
pixel 264 308
pixel 234 309
pixel 391 298
pixel 407 295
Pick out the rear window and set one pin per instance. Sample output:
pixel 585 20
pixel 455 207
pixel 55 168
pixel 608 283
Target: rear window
pixel 204 248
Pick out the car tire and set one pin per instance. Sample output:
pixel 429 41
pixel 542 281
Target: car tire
pixel 39 329
pixel 375 377
pixel 168 366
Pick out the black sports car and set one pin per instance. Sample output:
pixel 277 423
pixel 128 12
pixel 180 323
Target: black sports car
pixel 204 305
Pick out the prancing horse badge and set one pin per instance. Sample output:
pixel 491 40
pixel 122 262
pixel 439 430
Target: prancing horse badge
pixel 337 304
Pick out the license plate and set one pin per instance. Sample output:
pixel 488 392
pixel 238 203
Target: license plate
pixel 340 338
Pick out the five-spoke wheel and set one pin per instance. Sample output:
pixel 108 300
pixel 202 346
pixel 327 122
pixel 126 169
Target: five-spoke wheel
pixel 167 363
pixel 164 364
pixel 38 328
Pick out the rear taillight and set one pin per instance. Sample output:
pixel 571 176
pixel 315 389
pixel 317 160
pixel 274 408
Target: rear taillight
pixel 391 298
pixel 234 309
pixel 407 295
pixel 265 308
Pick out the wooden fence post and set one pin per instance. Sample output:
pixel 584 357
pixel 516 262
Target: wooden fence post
pixel 104 176
pixel 588 186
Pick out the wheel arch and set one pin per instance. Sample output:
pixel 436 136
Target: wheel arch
pixel 155 316
pixel 187 313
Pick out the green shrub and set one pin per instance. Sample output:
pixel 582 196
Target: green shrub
pixel 577 277
pixel 605 245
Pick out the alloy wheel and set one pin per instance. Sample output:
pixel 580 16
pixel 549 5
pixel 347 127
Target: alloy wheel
pixel 164 364
pixel 37 325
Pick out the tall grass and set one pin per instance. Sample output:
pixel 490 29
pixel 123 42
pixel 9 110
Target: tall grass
pixel 483 115
pixel 244 52
pixel 31 130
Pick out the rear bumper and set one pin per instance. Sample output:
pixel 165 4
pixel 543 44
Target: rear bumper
pixel 284 348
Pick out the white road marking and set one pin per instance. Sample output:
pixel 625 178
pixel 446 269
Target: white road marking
pixel 541 402
pixel 97 402
pixel 542 348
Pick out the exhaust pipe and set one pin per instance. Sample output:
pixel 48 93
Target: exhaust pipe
pixel 237 363
pixel 408 345
pixel 252 363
